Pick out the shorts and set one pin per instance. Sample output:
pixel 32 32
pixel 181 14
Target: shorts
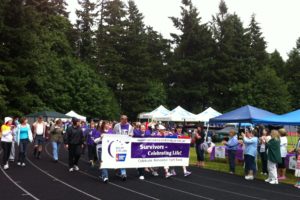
pixel 39 140
pixel 282 164
pixel 297 172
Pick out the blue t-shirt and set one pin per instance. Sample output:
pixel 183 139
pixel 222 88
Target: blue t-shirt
pixel 24 133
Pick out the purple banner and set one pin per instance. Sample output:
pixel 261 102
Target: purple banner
pixel 159 150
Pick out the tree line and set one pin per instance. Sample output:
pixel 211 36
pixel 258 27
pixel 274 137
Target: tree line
pixel 110 62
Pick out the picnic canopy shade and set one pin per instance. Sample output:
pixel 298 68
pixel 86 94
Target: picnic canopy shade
pixel 48 114
pixel 74 114
pixel 160 111
pixel 291 118
pixel 179 114
pixel 208 114
pixel 243 114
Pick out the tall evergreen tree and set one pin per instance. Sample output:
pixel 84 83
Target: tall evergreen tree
pixel 85 23
pixel 192 60
pixel 277 63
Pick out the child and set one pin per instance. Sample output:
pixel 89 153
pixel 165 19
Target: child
pixel 297 170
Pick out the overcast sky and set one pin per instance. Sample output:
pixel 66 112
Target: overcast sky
pixel 279 19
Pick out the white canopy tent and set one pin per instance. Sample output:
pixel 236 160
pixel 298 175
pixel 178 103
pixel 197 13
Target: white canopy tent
pixel 74 114
pixel 178 114
pixel 208 114
pixel 160 111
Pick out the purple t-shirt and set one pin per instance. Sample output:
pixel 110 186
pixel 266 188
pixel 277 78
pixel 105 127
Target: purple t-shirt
pixel 124 129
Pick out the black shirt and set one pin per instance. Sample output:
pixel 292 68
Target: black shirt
pixel 74 135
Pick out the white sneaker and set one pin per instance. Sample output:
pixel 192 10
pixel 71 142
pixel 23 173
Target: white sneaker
pixel 19 163
pixel 274 181
pixel 76 168
pixel 6 166
pixel 23 164
pixel 250 177
pixel 154 173
pixel 71 169
pixel 142 178
pixel 267 180
pixel 105 180
pixel 173 172
pixel 187 173
pixel 168 175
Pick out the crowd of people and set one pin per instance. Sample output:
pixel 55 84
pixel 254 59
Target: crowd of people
pixel 271 146
pixel 77 136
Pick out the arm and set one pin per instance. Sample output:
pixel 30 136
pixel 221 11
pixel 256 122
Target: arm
pixel 249 140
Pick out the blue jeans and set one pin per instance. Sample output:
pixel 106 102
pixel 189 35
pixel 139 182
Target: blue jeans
pixel 231 159
pixel 55 149
pixel 103 172
pixel 22 150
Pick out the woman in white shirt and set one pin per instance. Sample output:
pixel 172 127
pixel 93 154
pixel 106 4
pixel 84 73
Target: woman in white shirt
pixel 283 152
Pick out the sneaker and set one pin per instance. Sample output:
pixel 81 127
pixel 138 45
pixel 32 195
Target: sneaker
pixel 6 166
pixel 23 164
pixel 231 172
pixel 173 172
pixel 76 168
pixel 265 174
pixel 123 177
pixel 105 180
pixel 273 182
pixel 187 173
pixel 267 180
pixel 249 178
pixel 168 175
pixel 19 163
pixel 142 178
pixel 92 163
pixel 281 178
pixel 154 173
pixel 71 169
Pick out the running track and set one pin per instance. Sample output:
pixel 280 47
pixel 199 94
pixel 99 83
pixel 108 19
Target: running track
pixel 43 179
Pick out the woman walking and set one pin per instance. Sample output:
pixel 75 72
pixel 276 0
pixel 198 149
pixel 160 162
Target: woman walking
pixel 6 140
pixel 56 133
pixel 24 136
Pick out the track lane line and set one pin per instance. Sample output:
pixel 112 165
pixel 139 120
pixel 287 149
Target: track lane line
pixel 97 178
pixel 246 186
pixel 27 193
pixel 218 189
pixel 62 182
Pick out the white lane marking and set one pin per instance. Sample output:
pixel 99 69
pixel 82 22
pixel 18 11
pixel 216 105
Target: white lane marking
pixel 62 182
pixel 16 184
pixel 219 189
pixel 178 190
pixel 245 186
pixel 116 185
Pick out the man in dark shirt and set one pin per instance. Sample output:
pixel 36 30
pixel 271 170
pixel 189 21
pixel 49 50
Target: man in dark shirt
pixel 74 142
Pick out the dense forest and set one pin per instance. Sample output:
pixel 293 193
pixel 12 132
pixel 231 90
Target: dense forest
pixel 110 62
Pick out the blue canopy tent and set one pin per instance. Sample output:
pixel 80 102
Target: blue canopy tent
pixel 292 118
pixel 245 114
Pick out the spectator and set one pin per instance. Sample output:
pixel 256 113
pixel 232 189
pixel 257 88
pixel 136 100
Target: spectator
pixel 283 153
pixel 274 157
pixel 250 152
pixel 199 140
pixel 263 151
pixel 231 147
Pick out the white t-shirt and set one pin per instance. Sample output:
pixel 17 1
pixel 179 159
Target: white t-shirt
pixel 283 146
pixel 39 128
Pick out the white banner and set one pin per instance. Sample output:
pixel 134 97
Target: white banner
pixel 220 152
pixel 122 151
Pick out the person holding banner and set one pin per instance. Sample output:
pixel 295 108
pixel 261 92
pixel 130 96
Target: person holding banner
pixel 97 136
pixel 180 134
pixel 123 128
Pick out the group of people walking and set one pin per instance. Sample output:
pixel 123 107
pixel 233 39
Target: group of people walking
pixel 76 136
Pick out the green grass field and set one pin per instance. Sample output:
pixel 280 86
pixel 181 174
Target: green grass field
pixel 222 164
